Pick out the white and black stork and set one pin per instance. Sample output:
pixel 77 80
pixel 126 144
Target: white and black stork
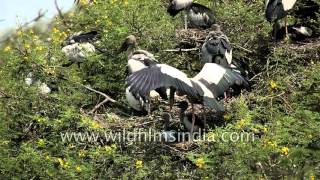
pixel 197 15
pixel 137 60
pixel 205 88
pixel 278 9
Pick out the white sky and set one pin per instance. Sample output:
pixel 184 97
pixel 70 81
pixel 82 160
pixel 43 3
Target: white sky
pixel 13 11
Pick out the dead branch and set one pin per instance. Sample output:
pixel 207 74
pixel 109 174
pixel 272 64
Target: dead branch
pixel 40 15
pixel 60 12
pixel 107 99
pixel 241 48
pixel 181 50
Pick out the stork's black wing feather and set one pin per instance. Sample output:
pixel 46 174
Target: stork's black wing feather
pixel 160 76
pixel 85 37
pixel 274 10
pixel 225 42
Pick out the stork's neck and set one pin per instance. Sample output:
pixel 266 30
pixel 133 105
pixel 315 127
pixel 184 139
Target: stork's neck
pixel 131 49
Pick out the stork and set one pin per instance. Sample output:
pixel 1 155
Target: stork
pixel 139 59
pixel 198 16
pixel 205 88
pixel 217 48
pixel 278 9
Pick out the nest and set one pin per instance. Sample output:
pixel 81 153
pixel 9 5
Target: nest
pixel 191 38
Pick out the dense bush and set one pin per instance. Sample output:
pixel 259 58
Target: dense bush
pixel 282 110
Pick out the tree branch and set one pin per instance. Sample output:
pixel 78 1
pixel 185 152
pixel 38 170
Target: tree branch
pixel 59 12
pixel 107 99
pixel 181 50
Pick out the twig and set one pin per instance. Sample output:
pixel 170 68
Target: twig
pixel 59 12
pixel 242 48
pixel 40 15
pixel 107 99
pixel 256 76
pixel 181 50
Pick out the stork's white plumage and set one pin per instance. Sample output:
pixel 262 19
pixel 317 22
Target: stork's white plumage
pixel 77 52
pixel 137 60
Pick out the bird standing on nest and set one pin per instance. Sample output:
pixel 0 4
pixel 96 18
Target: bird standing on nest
pixel 278 9
pixel 217 48
pixel 197 15
pixel 138 60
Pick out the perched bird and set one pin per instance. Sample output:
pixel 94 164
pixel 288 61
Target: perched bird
pixel 81 37
pixel 42 87
pixel 197 15
pixel 278 9
pixel 79 46
pixel 217 48
pixel 137 60
pixel 205 88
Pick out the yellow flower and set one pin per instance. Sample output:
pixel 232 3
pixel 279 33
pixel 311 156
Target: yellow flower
pixel 139 164
pixel 27 46
pixel 39 48
pixel 272 144
pixel 81 153
pixel 273 84
pixel 200 163
pixel 95 125
pixel 285 151
pixel 265 129
pixel 7 49
pixel 114 146
pixel 241 123
pixel 78 169
pixel 227 117
pixel 126 3
pixel 312 177
pixel 41 143
pixel 63 163
pixel 55 30
pixel 109 23
pixel 97 22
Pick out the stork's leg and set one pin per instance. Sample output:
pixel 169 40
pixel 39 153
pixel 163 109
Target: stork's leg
pixel 275 30
pixel 204 117
pixel 185 22
pixel 193 118
pixel 286 27
pixel 226 98
pixel 171 98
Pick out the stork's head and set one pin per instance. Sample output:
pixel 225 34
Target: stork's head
pixel 183 105
pixel 215 27
pixel 130 42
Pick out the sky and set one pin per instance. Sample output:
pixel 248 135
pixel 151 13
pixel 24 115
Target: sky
pixel 13 11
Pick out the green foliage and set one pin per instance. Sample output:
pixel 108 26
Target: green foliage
pixel 279 119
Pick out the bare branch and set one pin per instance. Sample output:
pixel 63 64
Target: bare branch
pixel 59 12
pixel 181 50
pixel 40 15
pixel 107 99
